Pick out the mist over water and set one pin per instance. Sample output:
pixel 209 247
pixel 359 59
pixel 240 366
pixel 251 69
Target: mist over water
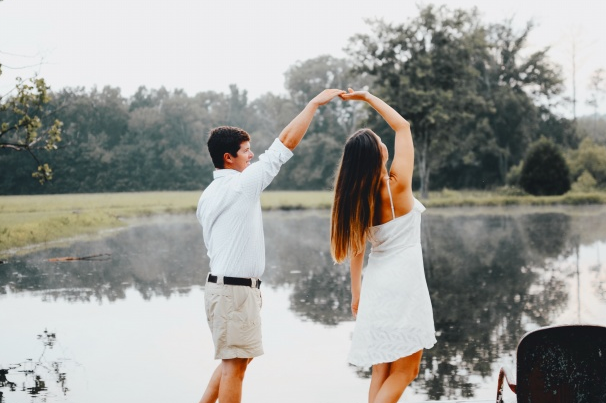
pixel 132 327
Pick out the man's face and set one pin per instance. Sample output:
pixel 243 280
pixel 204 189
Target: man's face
pixel 243 158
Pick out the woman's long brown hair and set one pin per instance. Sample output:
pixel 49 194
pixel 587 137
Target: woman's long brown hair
pixel 356 186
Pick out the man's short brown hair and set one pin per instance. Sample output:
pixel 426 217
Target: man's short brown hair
pixel 225 139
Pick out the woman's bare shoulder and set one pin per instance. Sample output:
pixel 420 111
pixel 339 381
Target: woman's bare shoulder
pixel 401 194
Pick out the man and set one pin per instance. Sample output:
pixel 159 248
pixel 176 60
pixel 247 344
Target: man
pixel 229 211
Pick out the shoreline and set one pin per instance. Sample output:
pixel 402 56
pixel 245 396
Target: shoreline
pixel 34 220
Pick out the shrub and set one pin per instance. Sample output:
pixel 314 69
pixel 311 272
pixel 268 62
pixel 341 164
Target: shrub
pixel 586 182
pixel 513 176
pixel 590 158
pixel 545 172
pixel 508 190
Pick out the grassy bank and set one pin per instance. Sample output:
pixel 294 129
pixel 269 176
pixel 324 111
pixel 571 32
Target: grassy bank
pixel 27 220
pixel 453 198
pixel 30 220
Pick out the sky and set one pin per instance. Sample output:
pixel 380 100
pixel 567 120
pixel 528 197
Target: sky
pixel 201 45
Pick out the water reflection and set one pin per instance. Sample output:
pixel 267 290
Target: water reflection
pixel 35 376
pixel 320 289
pixel 480 271
pixel 158 259
pixel 491 277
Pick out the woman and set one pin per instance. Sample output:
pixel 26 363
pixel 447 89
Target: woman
pixel 394 319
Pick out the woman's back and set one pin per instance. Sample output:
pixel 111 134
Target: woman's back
pixel 400 232
pixel 395 200
pixel 395 317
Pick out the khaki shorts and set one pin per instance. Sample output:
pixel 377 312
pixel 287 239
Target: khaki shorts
pixel 233 313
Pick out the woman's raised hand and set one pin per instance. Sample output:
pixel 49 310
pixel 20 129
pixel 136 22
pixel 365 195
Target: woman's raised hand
pixel 352 95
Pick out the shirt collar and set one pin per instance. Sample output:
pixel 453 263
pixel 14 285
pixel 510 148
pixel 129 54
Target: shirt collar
pixel 219 173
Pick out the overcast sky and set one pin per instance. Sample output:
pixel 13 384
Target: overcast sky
pixel 200 45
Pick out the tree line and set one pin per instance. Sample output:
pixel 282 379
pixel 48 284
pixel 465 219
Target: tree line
pixel 475 97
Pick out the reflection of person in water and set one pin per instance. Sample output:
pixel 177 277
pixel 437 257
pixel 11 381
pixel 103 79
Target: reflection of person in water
pixel 394 318
pixel 229 211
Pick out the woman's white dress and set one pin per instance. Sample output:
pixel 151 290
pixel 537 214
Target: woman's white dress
pixel 395 318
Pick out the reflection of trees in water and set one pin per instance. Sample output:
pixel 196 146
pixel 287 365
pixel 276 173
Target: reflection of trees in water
pixel 489 277
pixel 298 254
pixel 599 281
pixel 548 234
pixel 479 272
pixel 38 375
pixel 157 260
pixel 323 296
pixel 589 227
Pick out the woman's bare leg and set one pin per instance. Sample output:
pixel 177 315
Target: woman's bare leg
pixel 211 394
pixel 380 372
pixel 401 373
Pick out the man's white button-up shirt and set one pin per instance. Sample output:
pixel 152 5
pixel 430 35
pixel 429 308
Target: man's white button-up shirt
pixel 229 211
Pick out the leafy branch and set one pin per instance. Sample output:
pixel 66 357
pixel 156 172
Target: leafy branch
pixel 23 123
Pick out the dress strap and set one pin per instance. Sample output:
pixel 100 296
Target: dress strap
pixel 393 213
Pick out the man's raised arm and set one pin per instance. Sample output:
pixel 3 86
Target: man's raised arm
pixel 293 133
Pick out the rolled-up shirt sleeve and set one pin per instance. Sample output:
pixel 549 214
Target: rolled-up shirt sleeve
pixel 259 175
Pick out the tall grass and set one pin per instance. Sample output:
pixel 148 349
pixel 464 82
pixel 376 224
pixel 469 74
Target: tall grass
pixel 453 198
pixel 27 220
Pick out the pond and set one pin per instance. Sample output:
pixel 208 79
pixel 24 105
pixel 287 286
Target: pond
pixel 128 325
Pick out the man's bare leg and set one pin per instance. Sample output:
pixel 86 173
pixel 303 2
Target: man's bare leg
pixel 232 375
pixel 229 373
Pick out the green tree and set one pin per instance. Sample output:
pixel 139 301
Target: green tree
pixel 273 113
pixel 585 182
pixel 239 111
pixel 313 165
pixel 545 172
pixel 96 123
pixel 474 99
pixel 27 124
pixel 145 98
pixel 167 150
pixel 518 88
pixel 306 79
pixel 597 90
pixel 428 69
pixel 592 127
pixel 519 91
pixel 591 158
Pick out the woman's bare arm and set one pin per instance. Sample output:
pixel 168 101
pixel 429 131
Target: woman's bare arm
pixel 403 160
pixel 355 267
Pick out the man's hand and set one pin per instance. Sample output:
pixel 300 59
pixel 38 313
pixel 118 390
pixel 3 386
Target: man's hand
pixel 326 96
pixel 294 132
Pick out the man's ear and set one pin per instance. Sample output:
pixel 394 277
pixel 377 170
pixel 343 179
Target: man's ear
pixel 227 159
